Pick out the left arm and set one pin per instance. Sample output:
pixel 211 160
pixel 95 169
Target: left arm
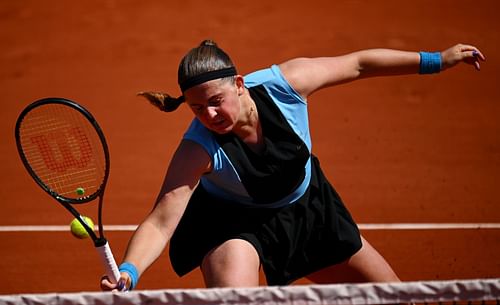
pixel 307 75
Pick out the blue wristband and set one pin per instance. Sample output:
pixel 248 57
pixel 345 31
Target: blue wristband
pixel 132 272
pixel 430 62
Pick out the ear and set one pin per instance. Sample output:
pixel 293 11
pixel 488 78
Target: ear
pixel 240 84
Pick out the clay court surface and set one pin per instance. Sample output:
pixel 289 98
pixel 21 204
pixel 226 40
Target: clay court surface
pixel 412 149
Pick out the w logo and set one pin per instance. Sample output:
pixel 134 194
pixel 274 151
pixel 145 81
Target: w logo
pixel 63 149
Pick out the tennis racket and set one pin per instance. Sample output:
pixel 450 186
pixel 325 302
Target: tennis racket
pixel 64 150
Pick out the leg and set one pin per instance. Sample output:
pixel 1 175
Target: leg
pixel 235 263
pixel 367 265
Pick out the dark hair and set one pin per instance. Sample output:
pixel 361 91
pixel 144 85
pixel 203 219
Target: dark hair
pixel 204 58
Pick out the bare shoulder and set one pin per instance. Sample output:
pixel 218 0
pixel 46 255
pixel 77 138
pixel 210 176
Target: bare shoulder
pixel 189 163
pixel 293 71
pixel 307 75
pixel 190 154
pixel 292 68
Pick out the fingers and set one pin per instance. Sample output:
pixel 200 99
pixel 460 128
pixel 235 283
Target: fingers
pixel 107 285
pixel 476 55
pixel 468 54
pixel 471 55
pixel 121 285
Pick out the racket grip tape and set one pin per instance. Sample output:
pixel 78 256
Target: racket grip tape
pixel 109 262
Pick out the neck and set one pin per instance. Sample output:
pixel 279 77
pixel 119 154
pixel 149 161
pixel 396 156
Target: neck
pixel 249 118
pixel 249 129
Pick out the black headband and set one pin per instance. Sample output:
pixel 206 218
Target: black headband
pixel 205 77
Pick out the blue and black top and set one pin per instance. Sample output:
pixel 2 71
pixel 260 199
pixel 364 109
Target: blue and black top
pixel 277 200
pixel 279 175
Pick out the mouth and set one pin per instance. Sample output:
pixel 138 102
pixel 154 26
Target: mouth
pixel 218 123
pixel 219 126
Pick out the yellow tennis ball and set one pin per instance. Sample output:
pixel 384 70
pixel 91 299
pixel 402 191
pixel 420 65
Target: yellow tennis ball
pixel 78 230
pixel 80 191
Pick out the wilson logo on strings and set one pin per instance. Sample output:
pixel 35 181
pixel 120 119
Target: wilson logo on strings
pixel 63 149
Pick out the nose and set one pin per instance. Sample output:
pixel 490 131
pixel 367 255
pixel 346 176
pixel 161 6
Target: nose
pixel 211 112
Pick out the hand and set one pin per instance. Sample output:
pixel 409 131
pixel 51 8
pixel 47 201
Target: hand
pixel 123 283
pixel 461 52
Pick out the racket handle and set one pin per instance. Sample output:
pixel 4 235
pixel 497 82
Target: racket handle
pixel 109 262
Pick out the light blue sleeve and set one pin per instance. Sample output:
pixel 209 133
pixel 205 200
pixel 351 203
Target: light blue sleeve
pixel 292 105
pixel 273 79
pixel 223 180
pixel 201 135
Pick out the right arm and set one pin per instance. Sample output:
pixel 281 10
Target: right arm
pixel 189 162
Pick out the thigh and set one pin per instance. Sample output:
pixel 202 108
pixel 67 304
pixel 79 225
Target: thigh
pixel 234 263
pixel 367 265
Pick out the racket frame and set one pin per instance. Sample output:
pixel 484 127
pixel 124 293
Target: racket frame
pixel 100 241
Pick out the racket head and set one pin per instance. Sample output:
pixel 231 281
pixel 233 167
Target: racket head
pixel 64 149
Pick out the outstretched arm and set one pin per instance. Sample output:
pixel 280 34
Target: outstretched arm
pixel 190 161
pixel 308 75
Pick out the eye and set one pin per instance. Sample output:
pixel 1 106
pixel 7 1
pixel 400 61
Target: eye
pixel 215 101
pixel 197 108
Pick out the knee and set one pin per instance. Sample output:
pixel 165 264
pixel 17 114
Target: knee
pixel 233 263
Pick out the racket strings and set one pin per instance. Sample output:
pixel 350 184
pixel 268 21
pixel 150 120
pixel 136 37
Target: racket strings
pixel 64 150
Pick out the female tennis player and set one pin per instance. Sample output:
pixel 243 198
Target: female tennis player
pixel 244 191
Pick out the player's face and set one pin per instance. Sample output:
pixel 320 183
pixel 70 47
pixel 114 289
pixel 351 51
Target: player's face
pixel 216 104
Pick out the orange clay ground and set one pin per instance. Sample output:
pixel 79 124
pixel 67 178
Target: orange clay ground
pixel 412 149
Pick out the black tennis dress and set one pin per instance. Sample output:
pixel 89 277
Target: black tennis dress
pixel 281 201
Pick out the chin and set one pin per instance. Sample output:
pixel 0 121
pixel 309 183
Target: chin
pixel 221 131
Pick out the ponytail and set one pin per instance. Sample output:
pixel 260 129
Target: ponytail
pixel 201 64
pixel 162 101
